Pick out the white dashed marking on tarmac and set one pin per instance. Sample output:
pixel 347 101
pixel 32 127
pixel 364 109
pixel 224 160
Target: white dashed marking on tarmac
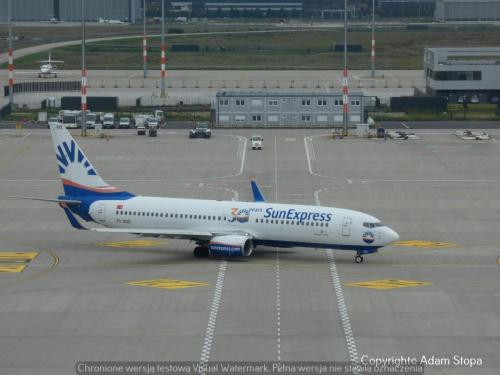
pixel 278 307
pixel 212 319
pixel 339 294
pixel 344 313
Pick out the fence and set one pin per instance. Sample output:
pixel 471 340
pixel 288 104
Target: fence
pixel 46 86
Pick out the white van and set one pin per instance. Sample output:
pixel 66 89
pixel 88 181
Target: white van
pixel 257 142
pixel 108 121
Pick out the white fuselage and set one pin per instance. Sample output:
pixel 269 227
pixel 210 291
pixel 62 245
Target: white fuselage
pixel 267 223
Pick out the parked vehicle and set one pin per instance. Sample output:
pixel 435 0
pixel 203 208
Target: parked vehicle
pixel 91 120
pixel 70 119
pixel 108 121
pixel 257 142
pixel 474 99
pixel 52 121
pixel 124 123
pixel 140 120
pixel 201 129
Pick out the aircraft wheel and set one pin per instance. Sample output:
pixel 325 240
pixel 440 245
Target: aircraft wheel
pixel 200 252
pixel 358 259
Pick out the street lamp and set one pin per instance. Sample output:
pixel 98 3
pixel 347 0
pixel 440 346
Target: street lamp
pixel 373 38
pixel 84 76
pixel 11 56
pixel 345 83
pixel 145 41
pixel 163 49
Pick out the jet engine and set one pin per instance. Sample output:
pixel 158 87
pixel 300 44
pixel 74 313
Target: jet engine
pixel 231 245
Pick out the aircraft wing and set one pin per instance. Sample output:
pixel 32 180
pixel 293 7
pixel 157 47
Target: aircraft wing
pixel 164 233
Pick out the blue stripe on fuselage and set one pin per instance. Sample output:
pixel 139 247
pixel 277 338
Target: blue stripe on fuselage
pixel 360 249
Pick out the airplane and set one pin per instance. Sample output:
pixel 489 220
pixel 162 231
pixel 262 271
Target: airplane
pixel 47 68
pixel 111 22
pixel 219 228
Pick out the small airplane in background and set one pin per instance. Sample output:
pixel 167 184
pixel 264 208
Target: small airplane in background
pixel 47 67
pixel 111 22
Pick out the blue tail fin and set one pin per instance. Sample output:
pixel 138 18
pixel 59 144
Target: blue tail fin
pixel 257 195
pixel 79 177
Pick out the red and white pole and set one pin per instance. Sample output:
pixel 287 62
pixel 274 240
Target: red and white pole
pixel 163 61
pixel 11 74
pixel 145 53
pixel 84 90
pixel 345 92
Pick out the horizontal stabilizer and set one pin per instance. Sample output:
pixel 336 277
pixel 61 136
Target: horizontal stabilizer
pixel 67 201
pixel 257 194
pixel 72 219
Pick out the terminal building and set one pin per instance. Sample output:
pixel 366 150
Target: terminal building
pixel 70 10
pixel 252 6
pixel 406 8
pixel 285 109
pixel 27 10
pixel 455 72
pixel 467 10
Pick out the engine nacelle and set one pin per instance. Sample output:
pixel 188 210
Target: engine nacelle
pixel 231 245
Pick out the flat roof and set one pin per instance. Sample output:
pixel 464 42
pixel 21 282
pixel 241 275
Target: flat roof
pixel 284 93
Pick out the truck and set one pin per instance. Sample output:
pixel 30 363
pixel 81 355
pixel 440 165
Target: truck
pixel 140 120
pixel 91 120
pixel 160 116
pixel 257 142
pixel 70 119
pixel 108 121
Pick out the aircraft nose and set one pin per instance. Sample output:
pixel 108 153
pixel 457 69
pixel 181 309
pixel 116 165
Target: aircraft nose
pixel 391 236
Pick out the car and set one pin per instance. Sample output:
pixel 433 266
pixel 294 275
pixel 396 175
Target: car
pixel 52 121
pixel 124 123
pixel 256 142
pixel 474 99
pixel 495 100
pixel 201 129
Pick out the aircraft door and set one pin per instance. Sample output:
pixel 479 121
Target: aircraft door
pixel 346 226
pixel 101 212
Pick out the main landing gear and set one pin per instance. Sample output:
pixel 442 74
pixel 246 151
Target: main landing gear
pixel 358 258
pixel 200 251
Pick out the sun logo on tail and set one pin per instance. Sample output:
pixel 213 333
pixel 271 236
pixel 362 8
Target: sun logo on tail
pixel 71 156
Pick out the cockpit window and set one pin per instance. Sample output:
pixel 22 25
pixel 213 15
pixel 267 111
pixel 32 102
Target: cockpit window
pixel 373 225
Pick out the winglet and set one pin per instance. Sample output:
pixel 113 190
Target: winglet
pixel 72 219
pixel 257 195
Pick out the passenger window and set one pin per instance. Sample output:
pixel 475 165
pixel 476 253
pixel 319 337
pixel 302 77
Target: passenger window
pixel 219 218
pixel 282 222
pixel 190 216
pixel 272 221
pixel 176 216
pixel 204 217
pixel 267 221
pixel 326 224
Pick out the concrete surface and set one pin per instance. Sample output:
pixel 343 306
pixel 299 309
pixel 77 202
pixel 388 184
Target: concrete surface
pixel 200 86
pixel 73 303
